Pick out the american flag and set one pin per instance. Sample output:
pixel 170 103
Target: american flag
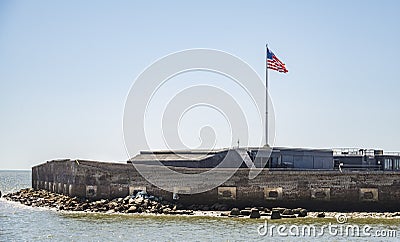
pixel 274 63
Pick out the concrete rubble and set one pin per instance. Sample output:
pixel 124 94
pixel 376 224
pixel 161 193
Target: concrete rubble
pixel 146 204
pixel 141 203
pixel 129 204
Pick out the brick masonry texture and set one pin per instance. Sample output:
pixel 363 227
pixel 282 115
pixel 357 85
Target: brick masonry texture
pixel 327 190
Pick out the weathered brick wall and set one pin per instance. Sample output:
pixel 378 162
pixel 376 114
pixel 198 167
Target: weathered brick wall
pixel 317 189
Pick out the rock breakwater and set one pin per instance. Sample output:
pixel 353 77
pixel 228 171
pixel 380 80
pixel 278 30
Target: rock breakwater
pixel 154 205
pixel 129 204
pixel 141 203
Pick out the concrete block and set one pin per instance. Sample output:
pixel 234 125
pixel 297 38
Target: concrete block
pixel 274 193
pixel 226 193
pixel 323 194
pixel 369 194
pixel 182 190
pixel 134 189
pixel 91 191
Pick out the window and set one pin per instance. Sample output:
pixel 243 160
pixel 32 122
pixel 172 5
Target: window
pixel 388 164
pixel 397 164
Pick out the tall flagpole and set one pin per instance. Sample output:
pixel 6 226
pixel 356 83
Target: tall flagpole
pixel 266 98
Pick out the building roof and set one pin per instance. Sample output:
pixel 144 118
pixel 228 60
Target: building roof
pixel 198 154
pixel 171 156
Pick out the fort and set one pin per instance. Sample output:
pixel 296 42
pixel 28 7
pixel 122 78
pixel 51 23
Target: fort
pixel 315 179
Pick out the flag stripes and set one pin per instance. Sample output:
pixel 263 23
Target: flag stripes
pixel 274 63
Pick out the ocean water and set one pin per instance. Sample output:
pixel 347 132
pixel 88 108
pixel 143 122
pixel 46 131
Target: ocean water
pixel 22 223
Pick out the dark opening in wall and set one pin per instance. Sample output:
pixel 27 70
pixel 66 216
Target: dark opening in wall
pixel 368 195
pixel 226 193
pixel 90 192
pixel 320 195
pixel 273 194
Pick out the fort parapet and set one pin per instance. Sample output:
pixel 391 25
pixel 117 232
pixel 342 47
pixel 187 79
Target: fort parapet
pixel 374 190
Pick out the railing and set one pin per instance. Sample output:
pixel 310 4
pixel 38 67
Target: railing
pixel 353 152
pixel 392 153
pixel 361 152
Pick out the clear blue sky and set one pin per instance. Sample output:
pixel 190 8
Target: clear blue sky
pixel 66 68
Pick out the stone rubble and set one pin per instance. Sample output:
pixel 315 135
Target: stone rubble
pixel 132 205
pixel 42 198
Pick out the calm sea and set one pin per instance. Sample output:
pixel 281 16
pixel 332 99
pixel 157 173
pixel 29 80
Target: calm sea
pixel 22 223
